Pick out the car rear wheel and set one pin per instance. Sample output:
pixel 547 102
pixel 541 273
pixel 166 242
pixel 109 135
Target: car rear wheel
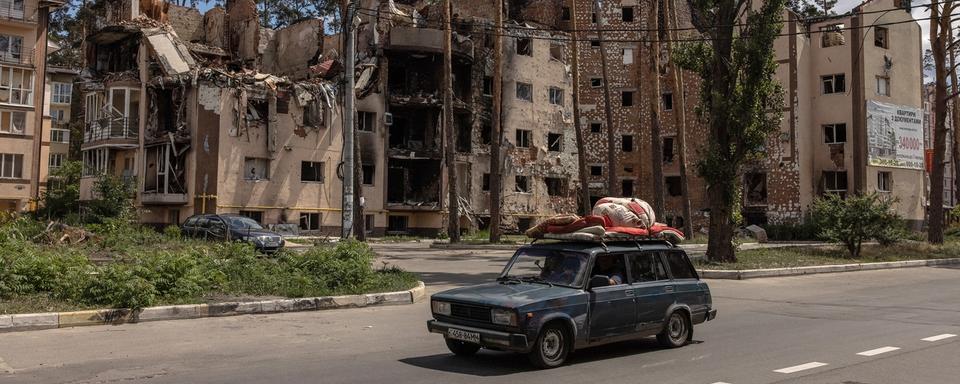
pixel 552 347
pixel 677 331
pixel 462 348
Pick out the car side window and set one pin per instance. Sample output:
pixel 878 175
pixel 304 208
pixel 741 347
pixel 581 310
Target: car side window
pixel 203 222
pixel 611 266
pixel 680 266
pixel 646 267
pixel 192 221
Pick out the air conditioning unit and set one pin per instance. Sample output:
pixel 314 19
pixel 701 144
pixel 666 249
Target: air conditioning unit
pixel 388 119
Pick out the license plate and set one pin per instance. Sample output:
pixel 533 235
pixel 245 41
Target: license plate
pixel 471 337
pixel 271 244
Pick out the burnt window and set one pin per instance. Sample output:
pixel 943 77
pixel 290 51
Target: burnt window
pixel 596 127
pixel 673 186
pixel 667 101
pixel 834 84
pixel 524 46
pixel 523 138
pixel 554 142
pixel 311 171
pixel 668 150
pixel 556 96
pixel 596 170
pixel 525 91
pixel 626 187
pixel 486 133
pixel 485 182
pixel 368 171
pixel 626 143
pixel 257 110
pixel 835 133
pixel 523 185
pixel 626 14
pixel 283 102
pixel 755 188
pixel 596 82
pixel 556 53
pixel 256 168
pixel 626 98
pixel 593 17
pixel 309 221
pixel 366 121
pixel 397 223
pixel 556 186
pixel 835 182
pixel 565 13
pixel 487 86
pixel 628 169
pixel 464 130
pixel 831 35
pixel 880 35
pixel 594 43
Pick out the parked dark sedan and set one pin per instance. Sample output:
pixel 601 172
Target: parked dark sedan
pixel 232 227
pixel 554 298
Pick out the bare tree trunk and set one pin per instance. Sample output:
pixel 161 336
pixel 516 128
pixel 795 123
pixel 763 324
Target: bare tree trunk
pixel 940 29
pixel 679 117
pixel 453 200
pixel 496 137
pixel 584 192
pixel 720 241
pixel 955 121
pixel 656 149
pixel 611 138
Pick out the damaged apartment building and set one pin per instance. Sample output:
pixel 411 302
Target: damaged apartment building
pixel 212 112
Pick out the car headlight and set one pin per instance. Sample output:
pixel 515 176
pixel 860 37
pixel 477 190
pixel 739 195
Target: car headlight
pixel 441 308
pixel 504 316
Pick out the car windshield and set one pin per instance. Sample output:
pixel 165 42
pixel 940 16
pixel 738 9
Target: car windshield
pixel 546 266
pixel 242 222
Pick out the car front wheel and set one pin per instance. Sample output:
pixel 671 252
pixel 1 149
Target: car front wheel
pixel 551 348
pixel 462 348
pixel 677 331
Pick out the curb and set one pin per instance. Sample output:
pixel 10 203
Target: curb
pixel 474 247
pixel 797 271
pixel 38 321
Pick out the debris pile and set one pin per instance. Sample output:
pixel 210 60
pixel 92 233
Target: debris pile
pixel 612 218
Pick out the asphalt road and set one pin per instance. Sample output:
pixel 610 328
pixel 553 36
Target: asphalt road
pixel 850 328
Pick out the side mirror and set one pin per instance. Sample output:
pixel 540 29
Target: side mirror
pixel 599 281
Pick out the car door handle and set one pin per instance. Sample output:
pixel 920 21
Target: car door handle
pixel 628 293
pixel 668 289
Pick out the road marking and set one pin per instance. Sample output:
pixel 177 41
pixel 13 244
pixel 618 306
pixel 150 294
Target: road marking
pixel 720 382
pixel 801 367
pixel 939 337
pixel 874 352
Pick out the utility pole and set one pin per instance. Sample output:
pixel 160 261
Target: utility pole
pixel 584 193
pixel 349 95
pixel 496 185
pixel 656 149
pixel 453 199
pixel 611 139
pixel 679 115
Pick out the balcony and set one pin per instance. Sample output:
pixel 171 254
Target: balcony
pixel 152 198
pixel 426 40
pixel 23 57
pixel 112 132
pixel 18 10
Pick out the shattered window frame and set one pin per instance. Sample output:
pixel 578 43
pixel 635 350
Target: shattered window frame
pixel 626 14
pixel 596 170
pixel 488 86
pixel 554 142
pixel 881 37
pixel 254 215
pixel 523 138
pixel 258 110
pixel 835 182
pixel 884 181
pixel 557 53
pixel 626 143
pixel 524 46
pixel 485 182
pixel 310 221
pixel 673 186
pixel 366 121
pixel 311 171
pixel 669 149
pixel 556 186
pixel 11 48
pixel 521 184
pixel 368 174
pixel 755 188
pixel 524 91
pixel 835 133
pixel 254 163
pixel 667 98
pixel 596 127
pixel 596 82
pixel 556 96
pixel 835 83
pixel 626 98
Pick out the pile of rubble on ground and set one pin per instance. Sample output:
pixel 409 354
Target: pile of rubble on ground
pixel 613 218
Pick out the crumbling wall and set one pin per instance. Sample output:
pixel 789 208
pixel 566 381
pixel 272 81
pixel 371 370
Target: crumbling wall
pixel 186 22
pixel 293 48
pixel 215 28
pixel 243 29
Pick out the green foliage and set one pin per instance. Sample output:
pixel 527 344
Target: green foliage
pixel 856 219
pixel 62 196
pixel 172 232
pixel 806 230
pixel 808 9
pixel 114 199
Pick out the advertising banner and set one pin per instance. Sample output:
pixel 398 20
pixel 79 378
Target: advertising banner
pixel 894 136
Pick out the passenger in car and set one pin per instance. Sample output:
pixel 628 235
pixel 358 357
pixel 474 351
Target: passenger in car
pixel 607 266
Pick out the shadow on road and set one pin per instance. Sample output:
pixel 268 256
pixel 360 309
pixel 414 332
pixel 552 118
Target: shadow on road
pixel 488 363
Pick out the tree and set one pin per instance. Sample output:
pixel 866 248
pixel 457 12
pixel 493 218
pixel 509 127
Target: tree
pixel 453 196
pixel 808 9
pixel 281 13
pixel 740 100
pixel 656 149
pixel 496 185
pixel 679 115
pixel 940 30
pixel 856 219
pixel 62 196
pixel 66 29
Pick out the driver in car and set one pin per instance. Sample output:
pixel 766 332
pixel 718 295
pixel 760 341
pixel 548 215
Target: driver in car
pixel 560 269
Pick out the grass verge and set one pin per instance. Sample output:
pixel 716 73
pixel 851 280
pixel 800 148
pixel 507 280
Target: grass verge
pixel 765 258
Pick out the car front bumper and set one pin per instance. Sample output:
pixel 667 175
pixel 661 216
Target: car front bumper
pixel 488 338
pixel 711 314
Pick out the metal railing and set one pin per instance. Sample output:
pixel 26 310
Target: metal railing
pixel 105 129
pixel 18 10
pixel 24 57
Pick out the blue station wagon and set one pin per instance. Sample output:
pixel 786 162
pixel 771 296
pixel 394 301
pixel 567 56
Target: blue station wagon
pixel 554 298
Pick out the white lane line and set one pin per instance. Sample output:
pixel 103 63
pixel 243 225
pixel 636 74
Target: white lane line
pixel 801 367
pixel 939 337
pixel 874 352
pixel 720 382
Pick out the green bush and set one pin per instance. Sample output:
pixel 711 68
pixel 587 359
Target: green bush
pixel 121 285
pixel 856 219
pixel 172 232
pixel 792 232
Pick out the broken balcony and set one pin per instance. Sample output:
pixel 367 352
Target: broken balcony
pixel 113 119
pixel 164 177
pixel 119 132
pixel 427 39
pixel 415 133
pixel 413 184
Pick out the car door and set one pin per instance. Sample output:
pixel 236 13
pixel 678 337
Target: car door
pixel 687 287
pixel 190 227
pixel 218 229
pixel 652 288
pixel 611 307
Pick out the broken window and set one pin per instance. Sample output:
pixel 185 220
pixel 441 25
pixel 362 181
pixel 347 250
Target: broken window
pixel 626 143
pixel 556 96
pixel 554 142
pixel 486 133
pixel 524 46
pixel 627 56
pixel 283 102
pixel 413 182
pixel 628 169
pixel 366 121
pixel 397 224
pixel 368 171
pixel 464 132
pixel 834 84
pixel 593 17
pixel 258 111
pixel 667 101
pixel 880 37
pixel 524 223
pixel 523 138
pixel 596 170
pixel 755 188
pixel 565 13
pixel 883 86
pixel 884 181
pixel 309 221
pixel 525 91
pixel 596 82
pixel 626 98
pixel 831 35
pixel 835 182
pixel 595 43
pixel 668 150
pixel 673 185
pixel 596 127
pixel 626 14
pixel 556 186
pixel 256 168
pixel 255 215
pixel 835 133
pixel 311 171
pixel 485 182
pixel 556 53
pixel 487 86
pixel 626 187
pixel 522 184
